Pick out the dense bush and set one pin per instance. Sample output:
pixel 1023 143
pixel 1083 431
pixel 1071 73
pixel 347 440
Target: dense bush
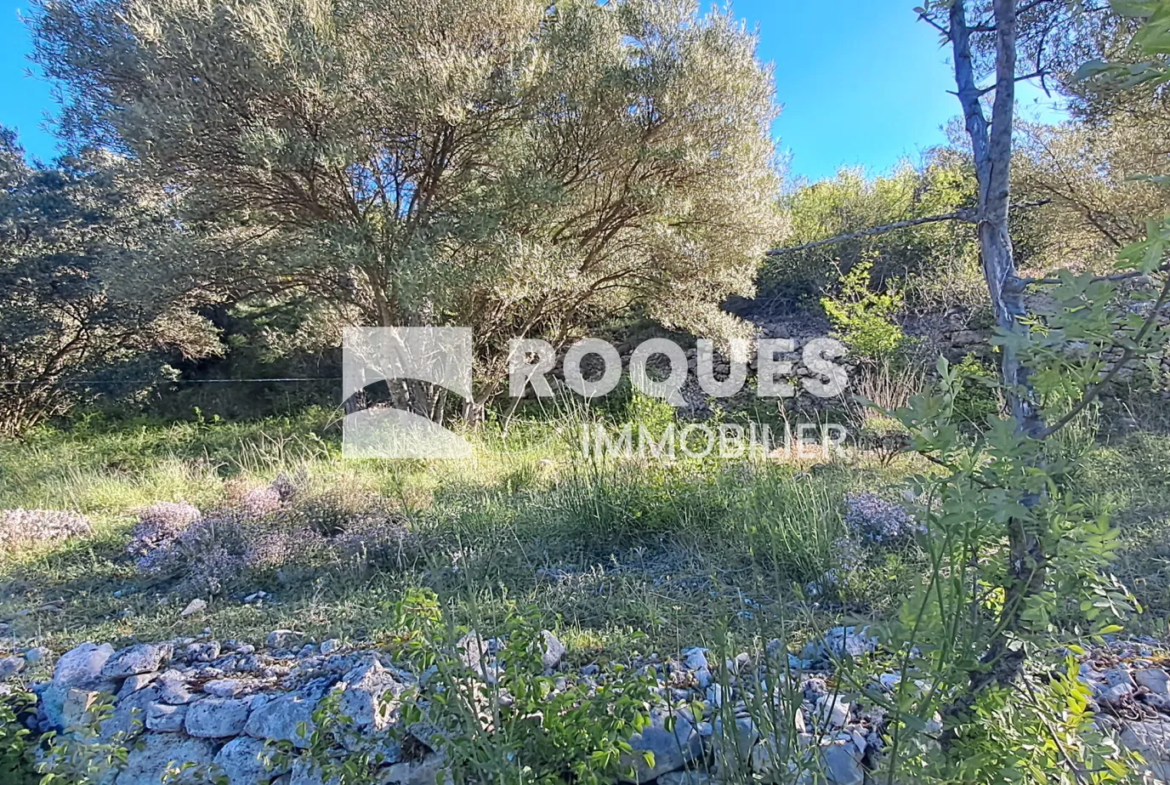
pixel 20 527
pixel 269 532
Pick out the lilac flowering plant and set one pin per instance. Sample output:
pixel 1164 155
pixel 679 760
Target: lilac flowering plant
pixel 20 527
pixel 878 521
pixel 262 531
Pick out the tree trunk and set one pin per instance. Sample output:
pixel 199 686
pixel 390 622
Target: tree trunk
pixel 991 146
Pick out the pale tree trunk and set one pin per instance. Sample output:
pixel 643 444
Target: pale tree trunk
pixel 991 146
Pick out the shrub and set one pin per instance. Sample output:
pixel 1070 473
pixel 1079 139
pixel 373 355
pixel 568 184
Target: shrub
pixel 261 536
pixel 877 520
pixel 20 527
pixel 159 525
pixel 865 318
pixel 16 764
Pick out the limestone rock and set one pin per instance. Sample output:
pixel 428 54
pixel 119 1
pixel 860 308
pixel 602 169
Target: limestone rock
pixel 172 687
pixel 79 668
pixel 246 761
pixel 136 659
pixel 283 718
pixel 37 653
pixel 225 688
pixel 842 763
pixel 832 711
pixel 149 762
pixel 1152 741
pixel 1155 680
pixel 672 750
pixel 10 666
pixel 554 650
pixel 283 639
pixel 364 697
pixel 733 744
pixel 135 683
pixel 76 711
pixel 164 718
pixel 431 770
pixel 217 718
pixel 129 717
pixel 193 607
pixel 305 773
pixel 203 652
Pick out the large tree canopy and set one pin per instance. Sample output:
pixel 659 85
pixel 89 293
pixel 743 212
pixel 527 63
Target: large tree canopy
pixel 520 166
pixel 78 298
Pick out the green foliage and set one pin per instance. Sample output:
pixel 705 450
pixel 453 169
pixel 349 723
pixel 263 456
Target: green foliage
pixel 522 167
pixel 1152 40
pixel 865 318
pixel 520 725
pixel 979 397
pixel 85 755
pixel 16 749
pixel 938 262
pixel 1042 733
pixel 76 290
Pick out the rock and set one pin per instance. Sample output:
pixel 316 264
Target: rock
pixel 203 652
pixel 78 668
pixel 1152 741
pixel 136 659
pixel 363 698
pixel 37 654
pixel 10 666
pixel 1117 693
pixel 733 746
pixel 282 718
pixel 224 688
pixel 428 771
pixel 695 660
pixel 841 642
pixel 149 761
pixel 304 772
pixel 327 647
pixel 672 750
pixel 283 639
pixel 832 712
pixel 75 712
pixel 554 651
pixel 217 718
pixel 1155 680
pixel 246 761
pixel 135 683
pixel 472 651
pixel 164 718
pixel 842 763
pixel 172 687
pixel 193 607
pixel 686 778
pixel 129 717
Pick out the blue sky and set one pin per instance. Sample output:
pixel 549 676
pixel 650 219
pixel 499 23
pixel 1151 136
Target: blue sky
pixel 862 82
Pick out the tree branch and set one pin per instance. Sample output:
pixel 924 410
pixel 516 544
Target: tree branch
pixel 966 215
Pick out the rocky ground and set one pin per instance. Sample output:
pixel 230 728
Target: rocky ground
pixel 222 708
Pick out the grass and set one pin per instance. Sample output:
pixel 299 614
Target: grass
pixel 620 557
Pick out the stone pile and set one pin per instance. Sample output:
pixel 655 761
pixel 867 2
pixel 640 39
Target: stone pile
pixel 218 707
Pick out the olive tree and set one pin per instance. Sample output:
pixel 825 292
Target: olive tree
pixel 521 167
pixel 78 245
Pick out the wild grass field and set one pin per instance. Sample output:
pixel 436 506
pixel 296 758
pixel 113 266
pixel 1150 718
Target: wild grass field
pixel 620 556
